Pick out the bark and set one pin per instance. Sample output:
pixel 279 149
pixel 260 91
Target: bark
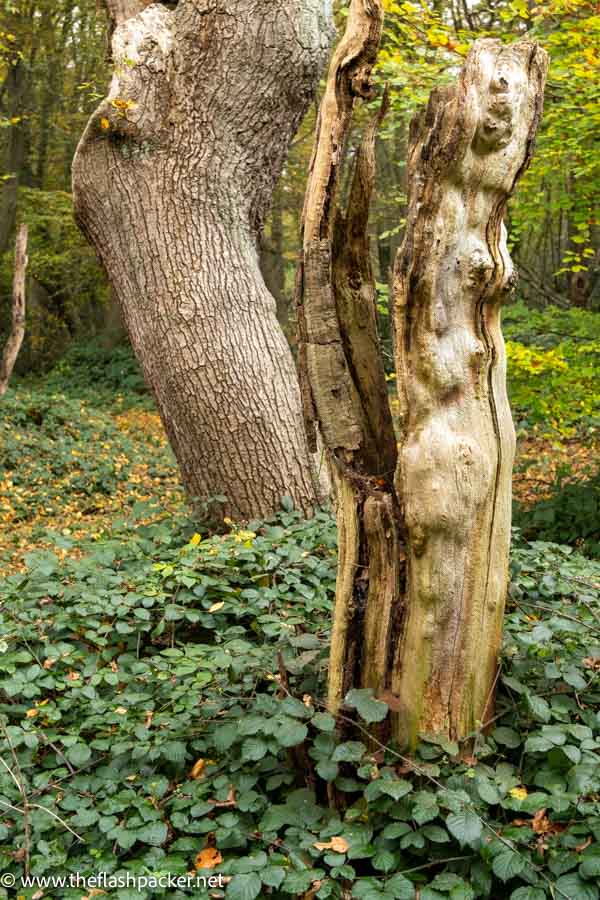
pixel 16 84
pixel 343 376
pixel 423 560
pixel 172 181
pixel 452 274
pixel 17 331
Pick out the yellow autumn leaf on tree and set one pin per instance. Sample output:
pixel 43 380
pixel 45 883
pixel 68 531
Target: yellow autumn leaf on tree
pixel 195 540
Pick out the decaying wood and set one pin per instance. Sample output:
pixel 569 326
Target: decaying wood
pixel 17 330
pixel 467 151
pixel 172 181
pixel 423 562
pixel 344 379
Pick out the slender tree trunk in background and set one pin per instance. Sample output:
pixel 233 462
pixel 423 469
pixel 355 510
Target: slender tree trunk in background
pixel 15 152
pixel 172 182
pixel 17 331
pixel 423 567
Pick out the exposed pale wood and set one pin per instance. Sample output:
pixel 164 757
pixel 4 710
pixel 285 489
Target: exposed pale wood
pixel 17 330
pixel 467 151
pixel 420 624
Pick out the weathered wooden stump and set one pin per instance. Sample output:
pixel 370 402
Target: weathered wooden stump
pixel 423 562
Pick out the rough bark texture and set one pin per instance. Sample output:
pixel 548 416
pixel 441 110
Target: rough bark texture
pixel 342 372
pixel 172 181
pixel 17 331
pixel 423 562
pixel 467 151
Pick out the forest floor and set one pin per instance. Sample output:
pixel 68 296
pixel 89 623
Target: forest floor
pixel 119 457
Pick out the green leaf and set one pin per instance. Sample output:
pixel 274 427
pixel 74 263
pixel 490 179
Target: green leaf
pixel 78 754
pixel 352 751
pixel 400 888
pixel 528 893
pixel 273 876
pixel 590 867
pixel 327 770
pixel 575 888
pixel 507 737
pixel 368 708
pixel 290 733
pixel 538 707
pixel 253 749
pixel 155 834
pixel 244 887
pixel 323 721
pixel 465 826
pixel 508 864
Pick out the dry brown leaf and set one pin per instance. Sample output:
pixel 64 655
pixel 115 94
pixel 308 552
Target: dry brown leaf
pixel 337 844
pixel 231 801
pixel 541 823
pixel 394 702
pixel 581 847
pixel 208 858
pixel 592 662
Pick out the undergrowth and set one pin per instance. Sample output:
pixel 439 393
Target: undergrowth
pixel 162 709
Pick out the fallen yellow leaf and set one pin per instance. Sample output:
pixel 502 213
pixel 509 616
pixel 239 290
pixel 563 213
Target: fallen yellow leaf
pixel 519 793
pixel 337 844
pixel 217 606
pixel 198 769
pixel 31 713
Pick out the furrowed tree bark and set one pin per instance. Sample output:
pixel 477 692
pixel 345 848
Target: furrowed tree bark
pixel 342 373
pixel 17 331
pixel 172 181
pixel 423 563
pixel 453 272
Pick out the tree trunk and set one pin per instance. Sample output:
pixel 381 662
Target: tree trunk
pixel 423 567
pixel 17 331
pixel 343 376
pixel 452 274
pixel 15 152
pixel 172 182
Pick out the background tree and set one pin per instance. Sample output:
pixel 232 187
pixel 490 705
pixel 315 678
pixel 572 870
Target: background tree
pixel 173 179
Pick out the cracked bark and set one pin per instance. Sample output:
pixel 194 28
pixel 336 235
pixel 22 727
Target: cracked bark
pixel 423 564
pixel 342 372
pixel 172 181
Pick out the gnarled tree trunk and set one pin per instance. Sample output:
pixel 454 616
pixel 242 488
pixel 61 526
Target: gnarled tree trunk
pixel 467 151
pixel 423 563
pixel 172 181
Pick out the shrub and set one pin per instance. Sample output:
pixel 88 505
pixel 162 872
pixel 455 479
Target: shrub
pixel 570 515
